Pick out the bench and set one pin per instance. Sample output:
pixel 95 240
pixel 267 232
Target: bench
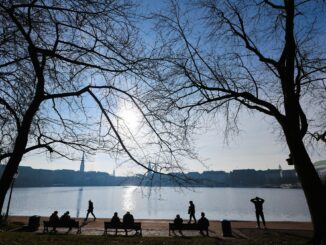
pixel 72 224
pixel 185 226
pixel 135 226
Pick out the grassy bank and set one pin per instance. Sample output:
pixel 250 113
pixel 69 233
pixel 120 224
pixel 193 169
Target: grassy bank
pixel 16 238
pixel 20 238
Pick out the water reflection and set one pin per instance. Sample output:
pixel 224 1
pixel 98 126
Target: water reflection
pixel 128 200
pixel 163 203
pixel 79 200
pixel 153 206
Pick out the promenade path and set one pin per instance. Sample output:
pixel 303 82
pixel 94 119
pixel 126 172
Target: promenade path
pixel 152 228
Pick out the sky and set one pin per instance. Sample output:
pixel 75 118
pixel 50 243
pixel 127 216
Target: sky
pixel 258 146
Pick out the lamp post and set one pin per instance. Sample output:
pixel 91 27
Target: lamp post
pixel 12 187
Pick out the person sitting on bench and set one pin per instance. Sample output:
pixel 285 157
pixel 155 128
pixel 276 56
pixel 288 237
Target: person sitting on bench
pixel 128 221
pixel 115 221
pixel 178 223
pixel 203 224
pixel 66 220
pixel 54 220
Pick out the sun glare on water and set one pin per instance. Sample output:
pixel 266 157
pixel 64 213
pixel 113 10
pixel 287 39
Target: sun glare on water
pixel 128 203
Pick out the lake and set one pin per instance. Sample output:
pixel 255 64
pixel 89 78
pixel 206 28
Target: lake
pixel 161 203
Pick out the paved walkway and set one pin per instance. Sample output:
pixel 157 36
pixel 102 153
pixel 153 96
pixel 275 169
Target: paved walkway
pixel 161 227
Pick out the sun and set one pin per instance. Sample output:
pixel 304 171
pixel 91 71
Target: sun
pixel 129 116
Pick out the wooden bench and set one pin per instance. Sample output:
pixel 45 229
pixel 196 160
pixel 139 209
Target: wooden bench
pixel 135 226
pixel 72 224
pixel 185 226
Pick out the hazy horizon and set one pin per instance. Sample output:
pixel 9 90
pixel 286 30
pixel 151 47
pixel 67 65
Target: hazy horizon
pixel 257 146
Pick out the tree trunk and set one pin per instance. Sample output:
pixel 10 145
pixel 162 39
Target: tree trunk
pixel 312 187
pixel 18 151
pixel 6 180
pixel 24 129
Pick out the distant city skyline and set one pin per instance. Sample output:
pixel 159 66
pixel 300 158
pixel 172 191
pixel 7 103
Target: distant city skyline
pixel 256 147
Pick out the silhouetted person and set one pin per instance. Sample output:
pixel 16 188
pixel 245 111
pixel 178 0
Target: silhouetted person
pixel 54 220
pixel 191 211
pixel 203 224
pixel 128 221
pixel 90 210
pixel 259 210
pixel 178 223
pixel 115 221
pixel 66 220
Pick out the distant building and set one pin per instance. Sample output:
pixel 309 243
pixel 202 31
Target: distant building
pixel 273 177
pixel 82 164
pixel 290 177
pixel 220 178
pixel 246 177
pixel 113 173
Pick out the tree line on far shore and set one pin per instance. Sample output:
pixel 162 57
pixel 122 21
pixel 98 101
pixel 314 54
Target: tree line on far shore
pixel 29 177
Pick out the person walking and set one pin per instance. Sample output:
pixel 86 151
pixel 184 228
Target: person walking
pixel 258 202
pixel 90 210
pixel 191 211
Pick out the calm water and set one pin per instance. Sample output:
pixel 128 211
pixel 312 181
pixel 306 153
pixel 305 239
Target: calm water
pixel 163 203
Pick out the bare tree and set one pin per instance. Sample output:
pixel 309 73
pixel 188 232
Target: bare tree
pixel 65 68
pixel 265 56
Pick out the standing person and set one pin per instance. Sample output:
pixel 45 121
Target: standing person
pixel 259 210
pixel 191 211
pixel 90 210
